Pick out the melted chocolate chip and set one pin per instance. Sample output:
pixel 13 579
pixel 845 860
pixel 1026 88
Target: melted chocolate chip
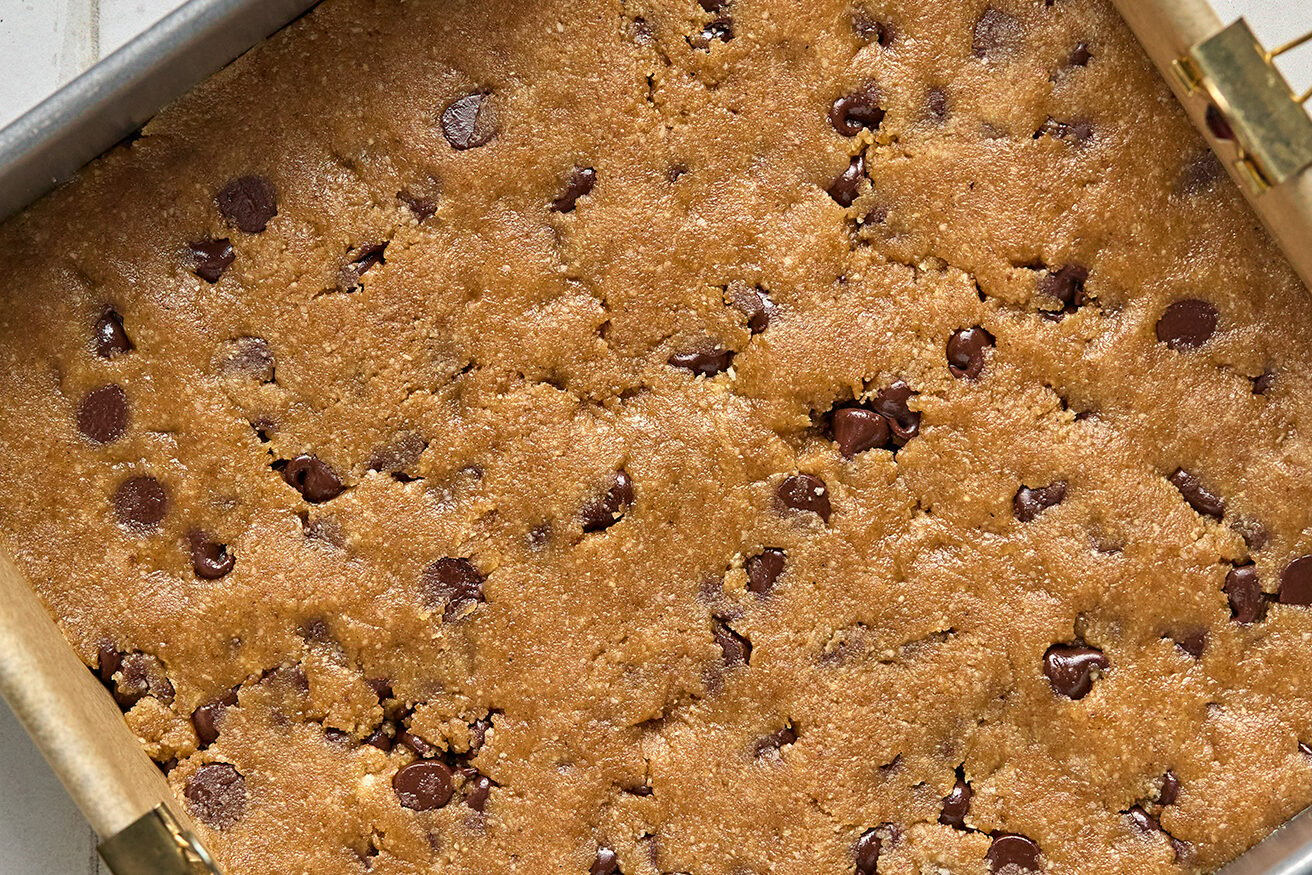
pixel 423 785
pixel 956 805
pixel 807 493
pixel 206 719
pixel 580 183
pixel 893 403
pixel 140 504
pixel 847 185
pixel 211 258
pixel 452 582
pixel 1244 592
pixel 966 349
pixel 764 569
pixel 210 559
pixel 1187 324
pixel 469 121
pixel 734 648
pixel 866 853
pixel 248 202
pixel 1199 497
pixel 216 795
pixel 1296 582
pixel 312 477
pixel 857 112
pixel 703 364
pixel 1029 503
pixel 856 430
pixel 998 35
pixel 1170 790
pixel 1071 668
pixel 1010 849
pixel 605 863
pixel 1066 286
pixel 606 511
pixel 108 337
pixel 103 414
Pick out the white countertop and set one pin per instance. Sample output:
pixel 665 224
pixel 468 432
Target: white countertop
pixel 44 43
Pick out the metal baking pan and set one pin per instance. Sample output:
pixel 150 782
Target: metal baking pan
pixel 142 826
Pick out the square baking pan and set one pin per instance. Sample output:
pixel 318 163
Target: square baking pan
pixel 1264 140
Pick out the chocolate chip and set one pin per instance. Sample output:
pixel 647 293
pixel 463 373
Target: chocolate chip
pixel 1305 749
pixel 216 795
pixel 1263 382
pixel 704 364
pixel 469 121
pixel 402 453
pixel 866 853
pixel 1187 324
pixel 1075 131
pixel 1170 790
pixel 109 338
pixel 754 303
pixel 720 29
pixel 604 512
pixel 1142 820
pixel 207 717
pixel 764 569
pixel 477 792
pixel 605 863
pixel 1066 286
pixel 363 258
pixel 247 358
pixel 735 648
pixel 1010 849
pixel 423 785
pixel 420 746
pixel 140 503
pixel 998 35
pixel 1296 582
pixel 956 805
pixel 108 661
pixel 870 29
pixel 805 492
pixel 1193 644
pixel 312 477
pixel 1199 174
pixel 847 186
pixel 1198 497
pixel 892 402
pixel 338 737
pixel 1029 503
pixel 248 202
pixel 936 103
pixel 966 349
pixel 209 558
pixel 580 183
pixel 421 206
pixel 857 112
pixel 1244 592
pixel 381 738
pixel 138 675
pixel 211 258
pixel 1080 55
pixel 856 430
pixel 103 414
pixel 452 582
pixel 775 741
pixel 382 688
pixel 1071 668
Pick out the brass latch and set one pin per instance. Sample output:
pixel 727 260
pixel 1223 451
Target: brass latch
pixel 156 844
pixel 1250 104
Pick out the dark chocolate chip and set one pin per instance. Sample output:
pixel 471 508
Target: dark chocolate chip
pixel 207 718
pixel 956 805
pixel 1071 668
pixel 1187 324
pixel 338 737
pixel 1142 820
pixel 469 121
pixel 775 741
pixel 704 364
pixel 423 785
pixel 856 430
pixel 847 185
pixel 246 357
pixel 936 103
pixel 606 511
pixel 210 559
pixel 807 493
pixel 1244 592
pixel 893 402
pixel 1201 499
pixel 764 569
pixel 735 649
pixel 1263 382
pixel 1080 56
pixel 211 258
pixel 605 863
pixel 139 675
pixel 216 795
pixel 248 202
pixel 1193 644
pixel 381 737
pixel 109 338
pixel 401 454
pixel 420 746
pixel 866 853
pixel 312 477
pixel 1066 286
pixel 1199 174
pixel 1296 582
pixel 140 503
pixel 966 349
pixel 103 414
pixel 1010 849
pixel 580 183
pixel 108 662
pixel 421 206
pixel 452 582
pixel 477 792
pixel 719 29
pixel 1075 131
pixel 754 303
pixel 1170 790
pixel 871 29
pixel 363 258
pixel 1029 503
pixel 998 35
pixel 857 112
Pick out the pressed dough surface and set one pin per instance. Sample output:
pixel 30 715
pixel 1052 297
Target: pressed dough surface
pixel 554 494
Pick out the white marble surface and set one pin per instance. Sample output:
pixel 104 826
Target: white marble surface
pixel 44 43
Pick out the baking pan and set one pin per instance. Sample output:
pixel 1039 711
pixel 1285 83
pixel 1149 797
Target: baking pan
pixel 1222 76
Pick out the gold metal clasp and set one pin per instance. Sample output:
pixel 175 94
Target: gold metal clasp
pixel 1251 104
pixel 156 844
